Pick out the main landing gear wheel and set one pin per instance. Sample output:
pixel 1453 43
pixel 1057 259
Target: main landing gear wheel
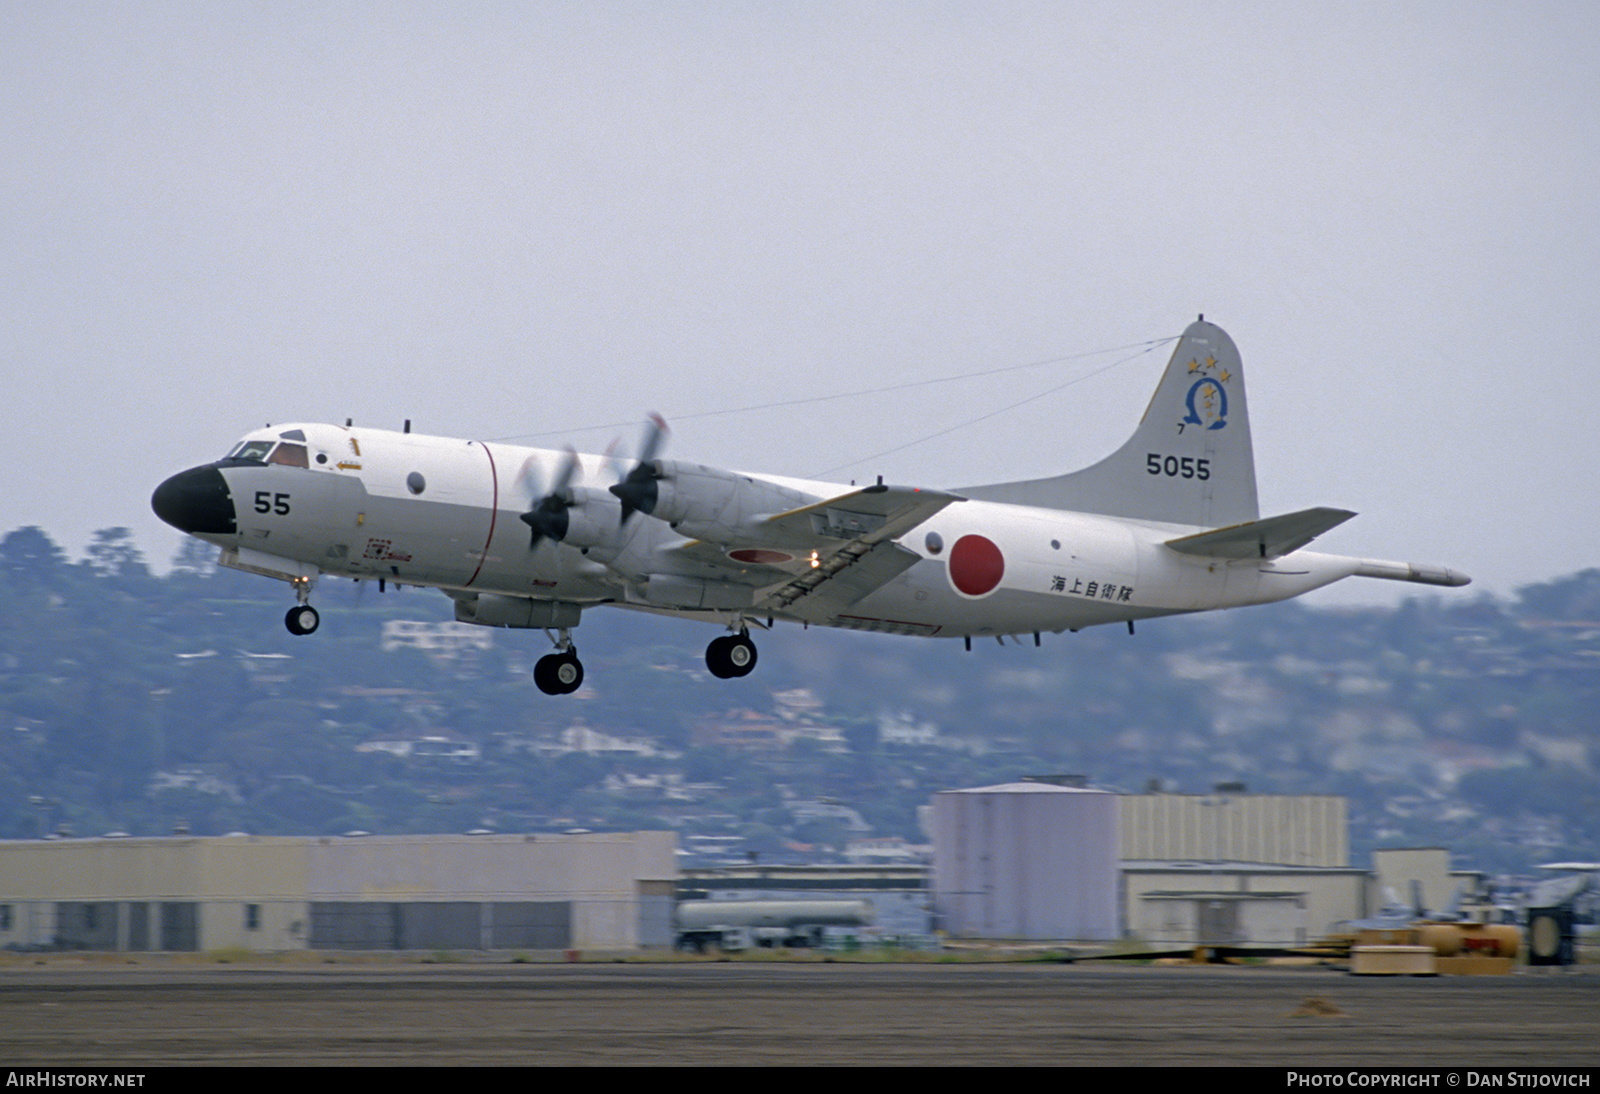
pixel 731 655
pixel 558 673
pixel 302 619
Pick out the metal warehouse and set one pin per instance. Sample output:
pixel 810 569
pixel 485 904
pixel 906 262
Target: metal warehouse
pixel 584 891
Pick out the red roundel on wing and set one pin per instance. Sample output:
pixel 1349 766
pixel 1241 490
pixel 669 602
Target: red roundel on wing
pixel 976 565
pixel 760 556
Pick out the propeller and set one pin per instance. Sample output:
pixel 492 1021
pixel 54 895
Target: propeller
pixel 616 467
pixel 637 491
pixel 548 517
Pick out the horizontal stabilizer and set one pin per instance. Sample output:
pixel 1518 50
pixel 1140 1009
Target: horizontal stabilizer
pixel 1411 571
pixel 1267 538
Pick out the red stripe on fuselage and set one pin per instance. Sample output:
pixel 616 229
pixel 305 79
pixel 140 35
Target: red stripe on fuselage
pixel 494 509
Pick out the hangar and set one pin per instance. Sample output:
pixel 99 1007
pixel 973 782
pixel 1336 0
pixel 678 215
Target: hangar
pixel 1033 860
pixel 267 893
pixel 1049 858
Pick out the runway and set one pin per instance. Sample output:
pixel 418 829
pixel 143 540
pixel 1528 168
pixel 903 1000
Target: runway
pixel 97 1012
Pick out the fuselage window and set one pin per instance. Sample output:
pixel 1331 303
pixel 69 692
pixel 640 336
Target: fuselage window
pixel 290 455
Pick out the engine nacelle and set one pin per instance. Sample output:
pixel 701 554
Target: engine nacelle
pixel 593 520
pixel 719 506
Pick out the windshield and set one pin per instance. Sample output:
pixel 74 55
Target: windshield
pixel 265 452
pixel 250 452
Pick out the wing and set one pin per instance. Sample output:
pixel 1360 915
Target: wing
pixel 829 555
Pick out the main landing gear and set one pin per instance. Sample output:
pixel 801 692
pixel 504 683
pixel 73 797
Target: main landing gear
pixel 731 655
pixel 559 673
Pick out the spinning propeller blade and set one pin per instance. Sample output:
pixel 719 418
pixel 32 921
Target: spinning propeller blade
pixel 637 491
pixel 548 517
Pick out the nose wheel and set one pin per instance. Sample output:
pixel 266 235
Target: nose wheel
pixel 730 656
pixel 558 673
pixel 302 619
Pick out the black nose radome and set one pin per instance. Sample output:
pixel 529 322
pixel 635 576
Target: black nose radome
pixel 198 501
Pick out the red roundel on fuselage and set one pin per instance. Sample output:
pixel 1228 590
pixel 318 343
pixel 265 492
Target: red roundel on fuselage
pixel 976 565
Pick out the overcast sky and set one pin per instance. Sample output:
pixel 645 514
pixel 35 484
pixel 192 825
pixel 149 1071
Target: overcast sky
pixel 536 220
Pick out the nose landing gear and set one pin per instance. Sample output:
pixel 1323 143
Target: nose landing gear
pixel 302 618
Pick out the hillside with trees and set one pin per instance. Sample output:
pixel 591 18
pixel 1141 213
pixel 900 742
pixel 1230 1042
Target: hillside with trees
pixel 143 703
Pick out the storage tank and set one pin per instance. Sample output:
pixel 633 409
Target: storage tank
pixel 1026 860
pixel 737 924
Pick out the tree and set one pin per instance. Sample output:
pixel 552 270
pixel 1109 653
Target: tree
pixel 195 557
pixel 113 554
pixel 29 557
pixel 1575 597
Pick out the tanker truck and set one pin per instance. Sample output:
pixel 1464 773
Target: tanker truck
pixel 740 924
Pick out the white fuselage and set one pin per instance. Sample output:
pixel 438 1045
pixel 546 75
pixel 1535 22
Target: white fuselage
pixel 436 511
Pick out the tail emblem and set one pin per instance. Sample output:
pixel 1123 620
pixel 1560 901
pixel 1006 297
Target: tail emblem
pixel 1207 397
pixel 1207 407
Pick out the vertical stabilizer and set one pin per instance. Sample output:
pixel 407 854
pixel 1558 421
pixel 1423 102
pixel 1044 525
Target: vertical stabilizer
pixel 1190 460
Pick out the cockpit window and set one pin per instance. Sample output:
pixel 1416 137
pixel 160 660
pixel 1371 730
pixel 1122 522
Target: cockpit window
pixel 250 451
pixel 265 452
pixel 290 455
